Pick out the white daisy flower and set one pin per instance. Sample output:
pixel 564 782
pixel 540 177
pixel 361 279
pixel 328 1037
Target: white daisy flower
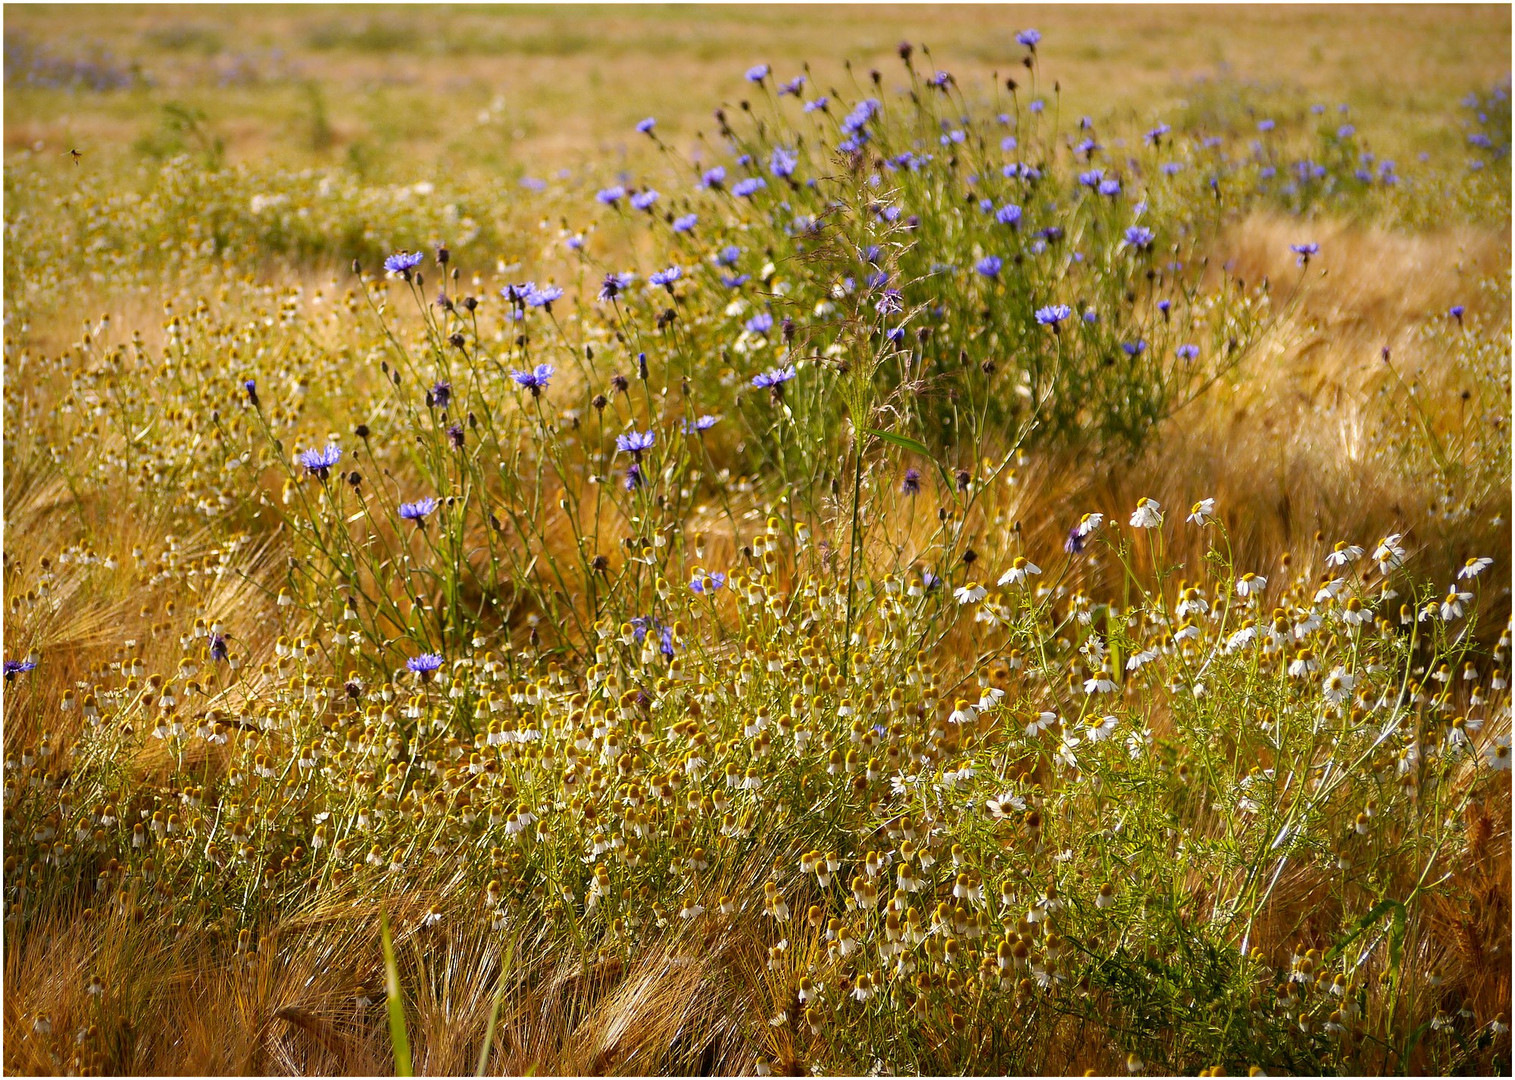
pixel 1018 571
pixel 1089 522
pixel 1202 512
pixel 970 593
pixel 1343 554
pixel 1148 514
pixel 1250 585
pixel 1389 555
pixel 1473 567
pixel 1338 686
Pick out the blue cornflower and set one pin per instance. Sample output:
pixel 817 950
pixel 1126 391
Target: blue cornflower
pixel 1456 311
pixel 1304 251
pixel 989 266
pixel 1074 545
pixel 218 650
pixel 1029 38
pixel 745 188
pixel 911 485
pixel 758 73
pixel 734 281
pixel 1009 142
pixel 870 254
pixel 643 200
pixel 1091 316
pixel 889 302
pixel 575 242
pixel 1187 352
pixel 985 206
pixel 793 86
pixel 1266 125
pixel 319 462
pixel 18 667
pixel 1171 167
pixel 535 381
pixel 760 323
pixel 714 177
pixel 614 285
pixel 728 256
pixel 1155 136
pixel 251 386
pixel 1134 348
pixel 1091 178
pixel 422 666
pixel 633 476
pixel 646 126
pixel 665 277
pixel 1009 214
pixel 1139 236
pixel 417 511
pixel 1109 187
pixel 544 296
pixel 930 580
pixel 611 195
pixel 1053 314
pixel 1346 131
pixel 635 442
pixel 703 423
pixel 685 223
pixel 1037 105
pixel 783 162
pixel 717 580
pixel 818 105
pixel 939 80
pixel 858 118
pixel 774 378
pixel 403 262
pixel 875 278
pixel 441 393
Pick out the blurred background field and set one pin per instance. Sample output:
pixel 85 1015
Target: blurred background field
pixel 403 93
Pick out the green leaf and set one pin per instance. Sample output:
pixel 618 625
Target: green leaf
pixel 903 441
pixel 397 1037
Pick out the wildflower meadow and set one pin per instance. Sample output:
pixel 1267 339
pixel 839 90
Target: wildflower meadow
pixel 897 563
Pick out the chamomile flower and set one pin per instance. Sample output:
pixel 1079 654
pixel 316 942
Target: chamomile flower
pixel 1202 512
pixel 1473 567
pixel 1019 569
pixel 1148 514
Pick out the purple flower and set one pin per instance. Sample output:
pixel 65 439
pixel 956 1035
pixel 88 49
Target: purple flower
pixel 715 177
pixel 1091 178
pixel 251 386
pixel 1091 316
pixel 643 200
pixel 611 195
pixel 18 667
pixel 746 188
pixel 783 162
pixel 940 79
pixel 417 511
pixel 911 485
pixel 643 623
pixel 633 476
pixel 703 423
pixel 403 262
pixel 666 277
pixel 535 381
pixel 733 281
pixel 544 296
pixel 646 126
pixel 760 323
pixel 1009 214
pixel 819 104
pixel 320 462
pixel 1155 136
pixel 1109 187
pixel 717 580
pixel 424 665
pixel 685 223
pixel 634 442
pixel 1346 131
pixel 614 285
pixel 1053 314
pixel 218 650
pixel 774 378
pixel 758 73
pixel 1265 125
pixel 1029 38
pixel 990 266
pixel 728 256
pixel 793 86
pixel 890 302
pixel 1304 251
pixel 1187 352
pixel 1139 236
pixel 1074 545
pixel 441 394
pixel 1456 311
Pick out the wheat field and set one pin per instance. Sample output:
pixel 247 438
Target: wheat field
pixel 783 540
